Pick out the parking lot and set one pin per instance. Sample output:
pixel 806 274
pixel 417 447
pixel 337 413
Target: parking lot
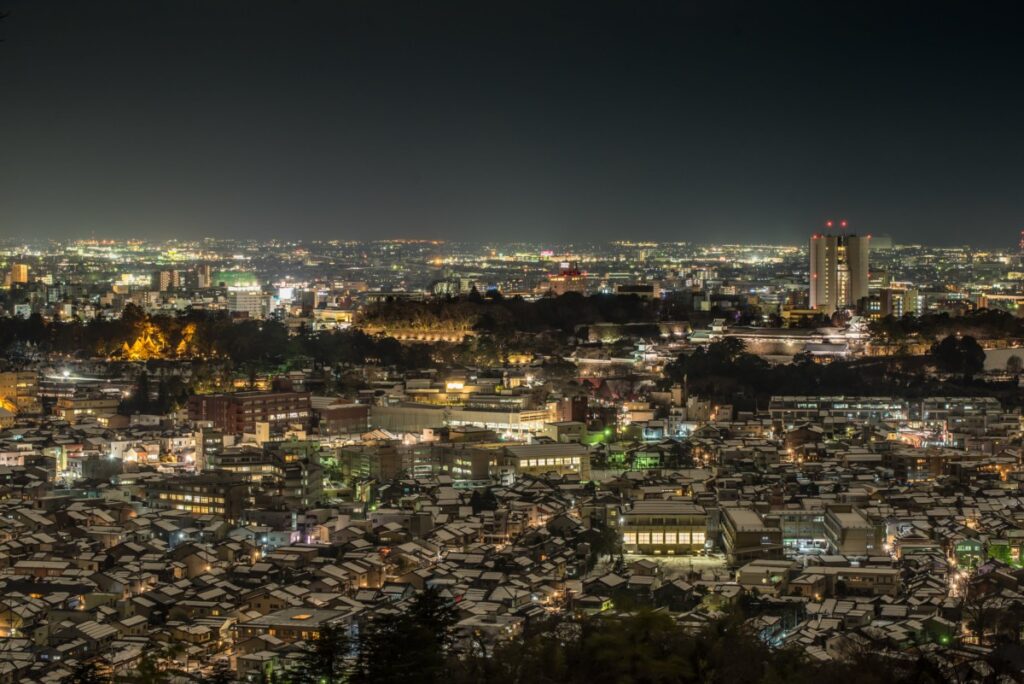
pixel 672 566
pixel 681 566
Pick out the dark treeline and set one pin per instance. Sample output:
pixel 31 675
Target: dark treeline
pixel 728 374
pixel 418 645
pixel 981 324
pixel 202 335
pixel 649 647
pixel 494 313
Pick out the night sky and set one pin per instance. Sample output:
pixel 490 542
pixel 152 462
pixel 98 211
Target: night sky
pixel 490 120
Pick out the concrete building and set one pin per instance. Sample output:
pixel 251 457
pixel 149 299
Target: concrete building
pixel 849 533
pixel 74 409
pixel 245 302
pixel 19 274
pixel 746 536
pixel 223 494
pixel 19 392
pixel 239 412
pixel 664 527
pixel 540 459
pixel 788 411
pixel 568 279
pixel 163 281
pixel 838 271
pixel 416 417
pixel 209 443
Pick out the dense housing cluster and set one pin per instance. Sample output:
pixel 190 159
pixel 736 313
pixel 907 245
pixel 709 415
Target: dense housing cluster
pixel 218 463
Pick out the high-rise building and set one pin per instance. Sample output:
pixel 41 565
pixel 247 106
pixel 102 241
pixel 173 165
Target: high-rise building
pixel 209 444
pixel 165 280
pixel 249 303
pixel 839 271
pixel 204 276
pixel 19 274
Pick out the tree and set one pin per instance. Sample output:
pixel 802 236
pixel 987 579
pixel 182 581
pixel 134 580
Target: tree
pixel 483 500
pixel 606 542
pixel 88 673
pixel 148 671
pixel 323 662
pixel 151 670
pixel 410 647
pixel 221 673
pixel 959 355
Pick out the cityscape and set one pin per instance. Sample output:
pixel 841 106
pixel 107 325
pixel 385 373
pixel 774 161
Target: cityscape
pixel 511 343
pixel 217 452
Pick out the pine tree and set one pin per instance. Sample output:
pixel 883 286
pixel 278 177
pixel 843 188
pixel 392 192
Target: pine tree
pixel 411 647
pixel 88 673
pixel 221 674
pixel 324 660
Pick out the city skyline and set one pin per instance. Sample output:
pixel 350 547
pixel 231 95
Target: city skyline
pixel 505 342
pixel 1012 242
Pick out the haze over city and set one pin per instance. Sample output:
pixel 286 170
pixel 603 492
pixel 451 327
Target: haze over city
pixel 732 121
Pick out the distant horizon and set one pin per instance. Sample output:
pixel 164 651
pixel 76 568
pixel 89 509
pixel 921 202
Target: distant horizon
pixel 14 240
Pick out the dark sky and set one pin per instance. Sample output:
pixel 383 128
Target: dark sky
pixel 489 120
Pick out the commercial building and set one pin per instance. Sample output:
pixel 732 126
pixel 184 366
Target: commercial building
pixel 204 276
pixel 343 418
pixel 209 443
pixel 251 304
pixel 746 536
pixel 542 459
pixel 569 279
pixel 218 493
pixel 664 527
pixel 239 412
pixel 74 409
pixel 787 411
pixel 19 274
pixel 849 533
pixel 19 392
pixel 416 417
pixel 838 271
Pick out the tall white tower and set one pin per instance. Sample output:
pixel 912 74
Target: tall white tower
pixel 838 270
